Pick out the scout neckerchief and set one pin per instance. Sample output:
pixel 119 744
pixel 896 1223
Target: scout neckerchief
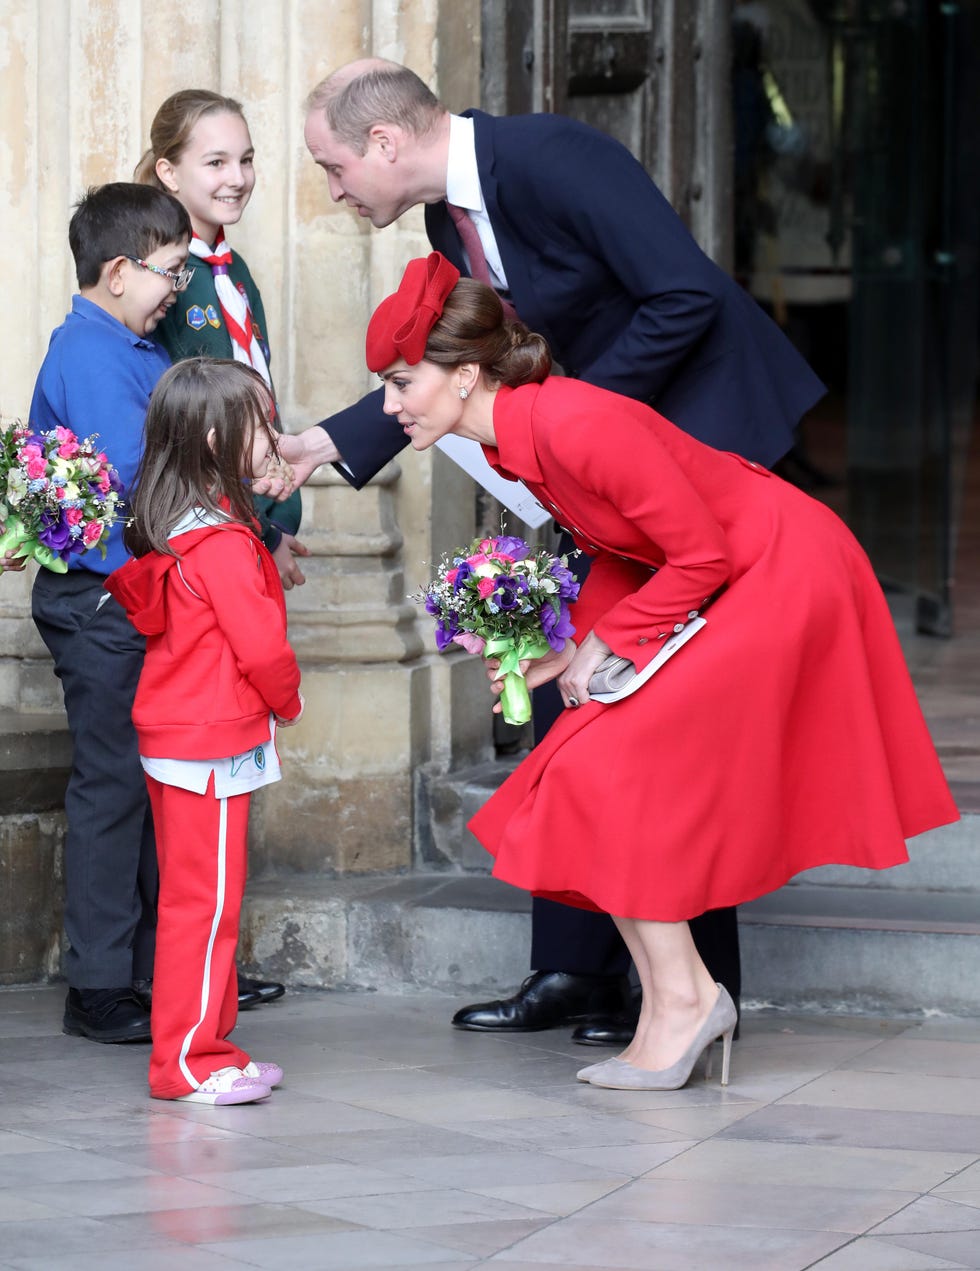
pixel 235 308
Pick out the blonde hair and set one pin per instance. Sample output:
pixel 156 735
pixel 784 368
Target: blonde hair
pixel 173 125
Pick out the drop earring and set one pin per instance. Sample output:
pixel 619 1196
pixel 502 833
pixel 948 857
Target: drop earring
pixel 464 393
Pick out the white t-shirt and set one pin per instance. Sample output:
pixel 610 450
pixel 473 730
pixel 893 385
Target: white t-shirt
pixel 236 774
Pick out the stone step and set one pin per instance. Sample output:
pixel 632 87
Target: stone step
pixel 941 860
pixel 35 759
pixel 804 947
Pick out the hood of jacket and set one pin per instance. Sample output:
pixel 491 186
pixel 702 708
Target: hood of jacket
pixel 140 585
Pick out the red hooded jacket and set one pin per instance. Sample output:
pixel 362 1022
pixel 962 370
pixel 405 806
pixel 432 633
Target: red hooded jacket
pixel 217 659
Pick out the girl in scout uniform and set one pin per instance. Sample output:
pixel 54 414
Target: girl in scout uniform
pixel 201 152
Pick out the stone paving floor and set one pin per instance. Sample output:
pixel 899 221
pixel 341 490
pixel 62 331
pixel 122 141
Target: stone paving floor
pixel 844 1143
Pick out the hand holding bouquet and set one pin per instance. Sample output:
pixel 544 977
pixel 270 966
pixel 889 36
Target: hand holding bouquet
pixel 58 495
pixel 506 600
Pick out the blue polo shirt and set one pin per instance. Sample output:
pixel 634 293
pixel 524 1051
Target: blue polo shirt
pixel 96 378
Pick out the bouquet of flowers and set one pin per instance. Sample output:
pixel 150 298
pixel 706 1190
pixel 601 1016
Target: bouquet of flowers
pixel 504 599
pixel 58 495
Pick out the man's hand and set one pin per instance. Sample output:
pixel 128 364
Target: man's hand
pixel 304 452
pixel 289 571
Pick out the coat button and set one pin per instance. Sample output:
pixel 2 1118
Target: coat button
pixel 642 640
pixel 693 613
pixel 678 627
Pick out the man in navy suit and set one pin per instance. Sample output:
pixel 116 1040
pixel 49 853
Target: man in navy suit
pixel 573 233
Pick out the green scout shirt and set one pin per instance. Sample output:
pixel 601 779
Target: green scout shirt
pixel 194 327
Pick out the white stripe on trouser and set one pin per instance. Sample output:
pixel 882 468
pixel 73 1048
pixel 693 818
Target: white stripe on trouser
pixel 219 909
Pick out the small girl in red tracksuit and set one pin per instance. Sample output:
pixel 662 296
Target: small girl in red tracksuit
pixel 218 677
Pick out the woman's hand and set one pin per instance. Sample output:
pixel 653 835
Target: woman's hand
pixel 537 671
pixel 573 683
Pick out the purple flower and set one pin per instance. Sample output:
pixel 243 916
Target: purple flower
pixel 568 585
pixel 432 605
pixel 445 631
pixel 463 571
pixel 556 626
pixel 516 548
pixel 505 593
pixel 55 532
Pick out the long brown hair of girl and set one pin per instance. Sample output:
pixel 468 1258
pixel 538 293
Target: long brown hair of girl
pixel 203 416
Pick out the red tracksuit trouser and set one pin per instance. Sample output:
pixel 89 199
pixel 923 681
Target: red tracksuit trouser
pixel 202 846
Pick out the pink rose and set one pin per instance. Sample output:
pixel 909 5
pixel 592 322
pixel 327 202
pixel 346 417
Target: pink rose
pixel 64 434
pixel 486 587
pixel 73 515
pixel 68 449
pixel 451 576
pixel 103 482
pixel 37 466
pixel 475 561
pixel 91 533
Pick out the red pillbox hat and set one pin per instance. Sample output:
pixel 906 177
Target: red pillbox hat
pixel 401 323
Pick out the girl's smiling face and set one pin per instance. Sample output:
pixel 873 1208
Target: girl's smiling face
pixel 425 400
pixel 214 176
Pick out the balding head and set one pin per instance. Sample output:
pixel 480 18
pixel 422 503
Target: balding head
pixel 370 91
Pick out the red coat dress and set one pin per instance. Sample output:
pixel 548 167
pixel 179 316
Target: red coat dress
pixel 786 734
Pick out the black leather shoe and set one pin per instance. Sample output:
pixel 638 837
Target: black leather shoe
pixel 255 992
pixel 547 999
pixel 617 1030
pixel 106 1015
pixel 606 1030
pixel 143 992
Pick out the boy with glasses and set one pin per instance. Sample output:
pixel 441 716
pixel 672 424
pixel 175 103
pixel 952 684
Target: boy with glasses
pixel 129 243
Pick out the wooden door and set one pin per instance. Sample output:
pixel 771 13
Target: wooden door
pixel 652 73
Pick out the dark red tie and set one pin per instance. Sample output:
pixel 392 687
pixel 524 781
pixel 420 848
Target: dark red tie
pixel 470 238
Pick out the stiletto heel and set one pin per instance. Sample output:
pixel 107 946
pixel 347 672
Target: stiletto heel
pixel 721 1021
pixel 726 1054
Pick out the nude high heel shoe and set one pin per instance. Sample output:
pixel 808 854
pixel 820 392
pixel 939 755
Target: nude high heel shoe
pixel 585 1074
pixel 720 1022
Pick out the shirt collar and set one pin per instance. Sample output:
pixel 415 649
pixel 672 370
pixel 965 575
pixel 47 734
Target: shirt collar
pixel 462 176
pixel 91 312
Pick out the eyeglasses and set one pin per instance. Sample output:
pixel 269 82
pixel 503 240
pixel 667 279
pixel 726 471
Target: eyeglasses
pixel 180 280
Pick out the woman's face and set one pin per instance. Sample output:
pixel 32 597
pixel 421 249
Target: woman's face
pixel 425 400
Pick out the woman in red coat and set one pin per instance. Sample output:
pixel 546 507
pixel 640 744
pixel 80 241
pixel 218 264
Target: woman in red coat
pixel 785 735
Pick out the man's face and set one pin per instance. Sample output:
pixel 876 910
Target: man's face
pixel 372 183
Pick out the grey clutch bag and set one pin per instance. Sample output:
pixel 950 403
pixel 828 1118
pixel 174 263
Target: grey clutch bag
pixel 616 677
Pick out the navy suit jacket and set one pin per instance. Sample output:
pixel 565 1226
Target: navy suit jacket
pixel 599 263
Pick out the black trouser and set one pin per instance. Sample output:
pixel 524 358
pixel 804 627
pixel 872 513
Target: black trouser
pixel 110 854
pixel 583 942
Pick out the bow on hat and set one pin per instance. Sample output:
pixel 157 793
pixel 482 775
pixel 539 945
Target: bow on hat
pixel 401 323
